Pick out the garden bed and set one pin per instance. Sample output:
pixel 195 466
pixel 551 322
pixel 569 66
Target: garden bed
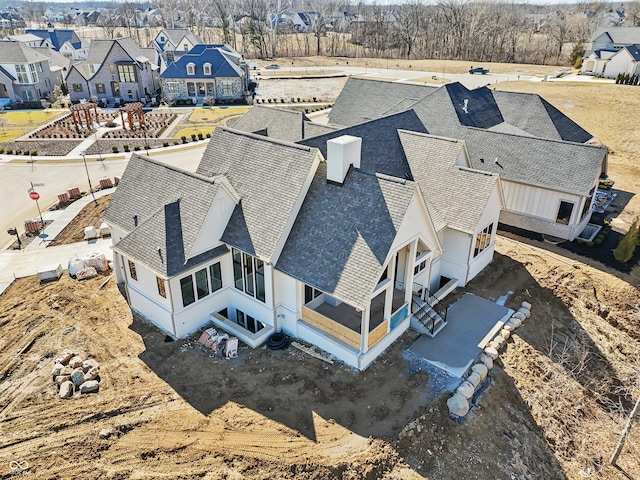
pixel 42 147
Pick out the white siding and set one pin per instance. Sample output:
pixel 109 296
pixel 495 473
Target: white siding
pixel 416 223
pixel 456 254
pixel 621 62
pixel 214 224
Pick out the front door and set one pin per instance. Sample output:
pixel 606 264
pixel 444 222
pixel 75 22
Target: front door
pixel 115 89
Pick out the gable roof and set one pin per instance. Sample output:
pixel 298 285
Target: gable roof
pixel 343 234
pixel 381 150
pixel 553 164
pixel 619 35
pixel 17 52
pixel 634 51
pixel 221 65
pixel 57 36
pixel 7 74
pixel 99 49
pixel 161 208
pixel 279 123
pixel 269 175
pixel 458 194
pixel 362 99
pixel 175 35
pixel 533 114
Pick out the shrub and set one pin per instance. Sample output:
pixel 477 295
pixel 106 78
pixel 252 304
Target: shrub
pixel 298 99
pixel 314 99
pixel 579 240
pixel 208 135
pixel 136 148
pixel 193 137
pixel 34 152
pixel 184 139
pixel 589 244
pixel 188 101
pixel 1 151
pixel 200 136
pixel 18 152
pixel 598 241
pixel 626 247
pixel 110 124
pixel 293 100
pixel 165 144
pixel 147 147
pixel 9 151
pixel 114 149
pixel 126 147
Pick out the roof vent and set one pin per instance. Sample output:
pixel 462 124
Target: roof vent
pixel 342 152
pixel 464 107
pixel 135 220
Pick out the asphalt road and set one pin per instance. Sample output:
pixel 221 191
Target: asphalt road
pixel 15 181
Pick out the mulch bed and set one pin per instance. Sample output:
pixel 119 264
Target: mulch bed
pixel 43 147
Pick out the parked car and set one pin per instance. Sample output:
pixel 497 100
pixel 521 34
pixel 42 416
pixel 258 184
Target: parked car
pixel 272 66
pixel 481 70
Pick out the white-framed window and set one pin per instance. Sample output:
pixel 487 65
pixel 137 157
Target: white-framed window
pixel 34 74
pixel 77 87
pixel 227 89
pixel 207 68
pixel 186 47
pixel 127 73
pixel 483 240
pixel 162 38
pixel 100 88
pixel 172 87
pixel 92 68
pixel 21 70
pixel 112 69
pixel 191 69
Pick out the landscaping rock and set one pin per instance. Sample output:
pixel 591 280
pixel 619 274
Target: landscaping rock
pixel 458 405
pixel 519 315
pixel 66 389
pixel 516 322
pixel 60 379
pixel 499 341
pixel 106 432
pixel 474 379
pixel 526 312
pixel 75 362
pixel 77 376
pixel 491 352
pixel 64 357
pixel 92 374
pixel 509 327
pixel 466 389
pixel 481 370
pixel 486 360
pixel 504 333
pixel 526 305
pixel 89 387
pixel 88 364
pixel 57 370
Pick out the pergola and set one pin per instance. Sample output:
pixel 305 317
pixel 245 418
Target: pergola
pixel 84 113
pixel 131 109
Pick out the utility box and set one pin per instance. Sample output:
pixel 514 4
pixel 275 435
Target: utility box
pixel 90 233
pixel 51 272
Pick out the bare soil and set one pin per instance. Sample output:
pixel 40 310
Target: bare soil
pixel 90 215
pixel 552 408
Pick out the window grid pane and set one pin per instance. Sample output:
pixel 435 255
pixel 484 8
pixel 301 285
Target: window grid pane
pixel 215 274
pixel 202 285
pixel 186 285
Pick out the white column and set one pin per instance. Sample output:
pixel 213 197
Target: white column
pixel 408 291
pixel 364 330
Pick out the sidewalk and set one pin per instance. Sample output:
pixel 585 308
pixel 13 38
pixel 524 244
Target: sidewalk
pixel 23 263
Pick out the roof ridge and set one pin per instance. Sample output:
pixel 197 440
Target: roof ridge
pixel 535 138
pixel 262 138
pixel 212 179
pixel 279 109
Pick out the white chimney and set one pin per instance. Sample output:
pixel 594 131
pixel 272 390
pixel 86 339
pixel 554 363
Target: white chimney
pixel 466 104
pixel 341 153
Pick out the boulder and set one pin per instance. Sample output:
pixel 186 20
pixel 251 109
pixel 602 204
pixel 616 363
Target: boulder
pixel 491 352
pixel 60 379
pixel 66 389
pixel 526 305
pixel 499 341
pixel 64 357
pixel 92 374
pixel 89 387
pixel 57 370
pixel 486 360
pixel 509 327
pixel 474 379
pixel 77 376
pixel 481 370
pixel 89 364
pixel 525 311
pixel 516 322
pixel 75 362
pixel 458 405
pixel 466 389
pixel 504 333
pixel 519 315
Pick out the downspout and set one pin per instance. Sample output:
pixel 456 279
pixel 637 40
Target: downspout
pixel 173 316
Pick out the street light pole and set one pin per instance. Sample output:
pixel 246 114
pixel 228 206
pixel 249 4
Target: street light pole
pixel 86 169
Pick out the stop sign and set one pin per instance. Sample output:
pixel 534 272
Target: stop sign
pixel 34 195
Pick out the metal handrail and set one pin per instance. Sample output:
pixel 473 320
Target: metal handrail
pixel 420 313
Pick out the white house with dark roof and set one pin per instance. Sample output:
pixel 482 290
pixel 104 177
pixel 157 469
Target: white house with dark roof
pixel 343 240
pixel 549 174
pixel 172 43
pixel 25 73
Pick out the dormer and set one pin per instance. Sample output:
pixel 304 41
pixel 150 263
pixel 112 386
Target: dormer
pixel 191 68
pixel 207 68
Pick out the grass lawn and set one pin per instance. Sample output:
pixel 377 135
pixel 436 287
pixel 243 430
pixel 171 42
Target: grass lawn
pixel 187 132
pixel 30 117
pixel 208 115
pixel 7 134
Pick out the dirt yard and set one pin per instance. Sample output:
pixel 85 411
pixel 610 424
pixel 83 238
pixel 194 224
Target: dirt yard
pixel 552 409
pixel 90 215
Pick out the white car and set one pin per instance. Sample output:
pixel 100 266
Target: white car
pixel 272 66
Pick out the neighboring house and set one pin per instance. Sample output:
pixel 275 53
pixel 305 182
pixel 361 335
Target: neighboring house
pixel 25 73
pixel 326 241
pixel 64 41
pixel 28 39
pixel 208 72
pixel 172 43
pixel 626 60
pixel 10 19
pixel 595 62
pixel 615 18
pixel 58 64
pixel 614 38
pixel 549 176
pixel 114 70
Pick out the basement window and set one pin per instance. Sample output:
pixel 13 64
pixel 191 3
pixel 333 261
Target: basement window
pixel 483 240
pixel 564 212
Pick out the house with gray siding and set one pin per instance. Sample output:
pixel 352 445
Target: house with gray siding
pixel 25 73
pixel 114 70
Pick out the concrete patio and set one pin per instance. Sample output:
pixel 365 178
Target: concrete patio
pixel 471 323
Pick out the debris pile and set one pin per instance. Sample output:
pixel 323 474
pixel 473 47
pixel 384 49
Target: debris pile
pixel 220 344
pixel 458 403
pixel 72 374
pixel 88 266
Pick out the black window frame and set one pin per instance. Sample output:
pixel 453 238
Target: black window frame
pixel 248 274
pixel 186 287
pixel 215 277
pixel 561 216
pixel 201 290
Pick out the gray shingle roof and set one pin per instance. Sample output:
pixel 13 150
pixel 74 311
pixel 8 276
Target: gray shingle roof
pixel 279 123
pixel 381 148
pixel 269 175
pixel 363 99
pixel 175 35
pixel 459 195
pixel 17 52
pixel 170 205
pixel 554 164
pixel 99 49
pixel 619 35
pixel 534 115
pixel 343 234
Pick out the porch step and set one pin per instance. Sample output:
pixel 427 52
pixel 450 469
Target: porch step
pixel 427 317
